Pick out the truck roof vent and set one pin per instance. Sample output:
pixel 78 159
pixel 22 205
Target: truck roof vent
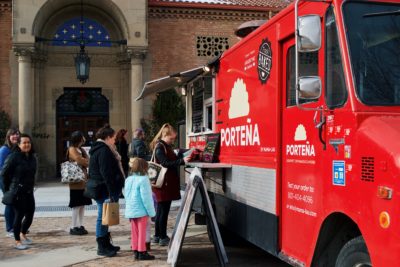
pixel 367 169
pixel 245 28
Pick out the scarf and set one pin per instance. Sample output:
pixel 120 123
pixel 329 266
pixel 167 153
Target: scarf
pixel 116 155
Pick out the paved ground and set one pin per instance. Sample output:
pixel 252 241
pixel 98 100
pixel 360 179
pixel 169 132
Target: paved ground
pixel 53 246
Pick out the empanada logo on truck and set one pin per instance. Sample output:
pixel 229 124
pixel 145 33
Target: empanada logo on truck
pixel 302 147
pixel 241 135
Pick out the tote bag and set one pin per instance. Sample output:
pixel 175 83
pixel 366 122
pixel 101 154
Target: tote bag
pixel 110 214
pixel 156 172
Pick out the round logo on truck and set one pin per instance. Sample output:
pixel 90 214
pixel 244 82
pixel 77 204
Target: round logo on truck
pixel 264 61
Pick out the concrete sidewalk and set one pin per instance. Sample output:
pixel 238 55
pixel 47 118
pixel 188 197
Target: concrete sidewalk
pixel 52 201
pixel 54 246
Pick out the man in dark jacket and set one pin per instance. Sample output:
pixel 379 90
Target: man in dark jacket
pixel 138 147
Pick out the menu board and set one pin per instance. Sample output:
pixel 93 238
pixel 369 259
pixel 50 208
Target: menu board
pixel 211 150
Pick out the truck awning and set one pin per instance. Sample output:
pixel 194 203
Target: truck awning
pixel 169 82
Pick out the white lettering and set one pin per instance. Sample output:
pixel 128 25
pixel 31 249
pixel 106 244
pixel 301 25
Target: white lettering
pixel 238 135
pixel 256 137
pixel 249 134
pixel 243 135
pixel 223 136
pixel 300 150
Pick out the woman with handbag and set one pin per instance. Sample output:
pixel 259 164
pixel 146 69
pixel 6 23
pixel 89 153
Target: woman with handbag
pixel 19 179
pixel 106 182
pixel 11 140
pixel 77 200
pixel 170 189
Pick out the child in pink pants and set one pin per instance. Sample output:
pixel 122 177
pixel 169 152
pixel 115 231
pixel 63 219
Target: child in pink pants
pixel 139 206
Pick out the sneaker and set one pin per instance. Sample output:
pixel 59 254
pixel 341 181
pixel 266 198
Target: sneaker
pixel 145 256
pixel 83 230
pixel 21 246
pixel 164 241
pixel 155 240
pixel 27 241
pixel 10 234
pixel 75 231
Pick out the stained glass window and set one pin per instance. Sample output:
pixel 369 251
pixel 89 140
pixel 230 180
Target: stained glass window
pixel 69 33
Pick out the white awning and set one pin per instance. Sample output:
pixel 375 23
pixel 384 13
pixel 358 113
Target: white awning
pixel 170 82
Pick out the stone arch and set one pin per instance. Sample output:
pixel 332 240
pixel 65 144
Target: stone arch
pixel 53 12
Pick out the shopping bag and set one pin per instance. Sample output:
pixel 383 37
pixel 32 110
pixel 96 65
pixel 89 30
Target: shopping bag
pixel 110 213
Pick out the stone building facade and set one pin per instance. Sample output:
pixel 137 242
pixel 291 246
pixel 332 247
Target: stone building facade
pixel 38 85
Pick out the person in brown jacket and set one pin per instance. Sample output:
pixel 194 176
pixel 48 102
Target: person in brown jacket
pixel 77 200
pixel 170 190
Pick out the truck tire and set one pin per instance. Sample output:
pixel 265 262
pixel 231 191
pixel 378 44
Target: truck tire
pixel 354 254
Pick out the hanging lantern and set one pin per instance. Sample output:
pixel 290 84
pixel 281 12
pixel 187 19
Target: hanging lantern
pixel 82 65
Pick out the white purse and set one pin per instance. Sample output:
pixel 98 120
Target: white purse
pixel 156 172
pixel 71 173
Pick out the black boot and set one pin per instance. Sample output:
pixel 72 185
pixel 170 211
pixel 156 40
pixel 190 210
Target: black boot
pixel 144 256
pixel 103 248
pixel 109 240
pixel 136 254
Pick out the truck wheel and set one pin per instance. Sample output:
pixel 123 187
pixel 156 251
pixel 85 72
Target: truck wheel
pixel 354 254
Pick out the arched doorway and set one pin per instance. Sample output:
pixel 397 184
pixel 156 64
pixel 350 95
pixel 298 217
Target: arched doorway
pixel 79 109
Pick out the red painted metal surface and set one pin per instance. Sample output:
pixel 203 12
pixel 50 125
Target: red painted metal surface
pixel 258 129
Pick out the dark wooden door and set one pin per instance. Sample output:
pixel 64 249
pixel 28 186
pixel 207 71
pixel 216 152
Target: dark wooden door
pixel 66 125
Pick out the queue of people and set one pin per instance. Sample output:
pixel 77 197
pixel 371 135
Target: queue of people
pixel 107 169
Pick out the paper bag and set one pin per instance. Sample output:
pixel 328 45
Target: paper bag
pixel 110 214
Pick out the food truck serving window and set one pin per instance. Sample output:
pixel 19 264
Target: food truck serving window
pixel 201 105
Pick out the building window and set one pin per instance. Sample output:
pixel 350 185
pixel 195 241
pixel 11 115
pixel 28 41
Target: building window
pixel 202 105
pixel 308 66
pixel 211 46
pixel 69 33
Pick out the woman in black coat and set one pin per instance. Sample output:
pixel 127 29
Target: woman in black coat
pixel 105 182
pixel 19 177
pixel 122 147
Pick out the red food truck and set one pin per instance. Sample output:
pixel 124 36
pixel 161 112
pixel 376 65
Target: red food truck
pixel 307 108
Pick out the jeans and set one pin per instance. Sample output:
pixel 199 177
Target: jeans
pixel 102 230
pixel 9 213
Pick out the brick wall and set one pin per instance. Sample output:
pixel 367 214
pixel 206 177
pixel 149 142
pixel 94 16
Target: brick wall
pixel 5 47
pixel 173 36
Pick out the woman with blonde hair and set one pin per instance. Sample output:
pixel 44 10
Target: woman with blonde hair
pixel 170 190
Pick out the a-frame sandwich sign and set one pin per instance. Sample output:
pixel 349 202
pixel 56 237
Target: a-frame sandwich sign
pixel 195 184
